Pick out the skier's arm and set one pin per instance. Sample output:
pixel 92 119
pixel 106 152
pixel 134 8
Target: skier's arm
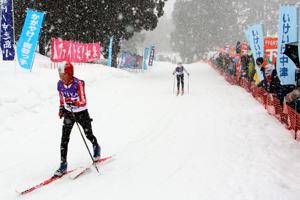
pixel 174 71
pixel 186 71
pixel 81 94
pixel 61 99
pixel 61 110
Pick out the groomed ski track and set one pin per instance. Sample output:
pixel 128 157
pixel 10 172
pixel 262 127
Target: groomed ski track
pixel 217 142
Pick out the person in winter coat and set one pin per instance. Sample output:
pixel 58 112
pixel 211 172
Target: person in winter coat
pixel 275 85
pixel 244 65
pixel 238 47
pixel 179 72
pixel 73 108
pixel 263 83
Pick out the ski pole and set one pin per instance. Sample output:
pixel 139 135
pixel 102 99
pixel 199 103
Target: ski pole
pixel 188 84
pixel 174 85
pixel 84 139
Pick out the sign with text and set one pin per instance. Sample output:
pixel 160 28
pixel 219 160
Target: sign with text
pixel 255 36
pixel 271 48
pixel 74 51
pixel 29 38
pixel 288 32
pixel 7 31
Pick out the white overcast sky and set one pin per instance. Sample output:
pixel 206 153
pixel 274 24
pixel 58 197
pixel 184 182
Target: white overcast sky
pixel 169 7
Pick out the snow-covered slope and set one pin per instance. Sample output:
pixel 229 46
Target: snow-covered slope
pixel 215 143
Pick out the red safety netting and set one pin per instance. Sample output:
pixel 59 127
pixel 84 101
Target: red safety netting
pixel 290 119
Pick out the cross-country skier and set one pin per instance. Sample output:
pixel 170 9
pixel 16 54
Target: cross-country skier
pixel 73 104
pixel 179 72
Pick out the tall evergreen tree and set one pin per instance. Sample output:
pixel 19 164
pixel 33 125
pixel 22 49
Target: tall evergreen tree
pixel 201 25
pixel 93 20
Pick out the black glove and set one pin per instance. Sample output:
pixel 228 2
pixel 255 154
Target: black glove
pixel 71 103
pixel 61 112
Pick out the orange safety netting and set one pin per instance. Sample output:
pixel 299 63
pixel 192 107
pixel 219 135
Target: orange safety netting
pixel 290 119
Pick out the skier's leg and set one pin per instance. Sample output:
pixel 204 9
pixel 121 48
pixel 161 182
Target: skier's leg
pixel 65 138
pixel 182 83
pixel 85 121
pixel 66 131
pixel 178 83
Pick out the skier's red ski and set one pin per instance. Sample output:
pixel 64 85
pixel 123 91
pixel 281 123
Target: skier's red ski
pixel 46 182
pixel 54 178
pixel 85 169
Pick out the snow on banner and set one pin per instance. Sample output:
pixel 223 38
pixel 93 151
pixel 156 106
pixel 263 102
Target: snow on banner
pixel 29 38
pixel 288 25
pixel 74 51
pixel 7 31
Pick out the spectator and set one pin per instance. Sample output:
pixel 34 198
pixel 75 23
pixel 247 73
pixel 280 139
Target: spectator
pixel 238 47
pixel 251 66
pixel 275 85
pixel 263 83
pixel 244 65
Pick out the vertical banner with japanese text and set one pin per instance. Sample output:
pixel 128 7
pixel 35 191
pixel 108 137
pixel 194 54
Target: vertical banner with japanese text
pixel 146 52
pixel 151 56
pixel 110 51
pixel 288 32
pixel 29 38
pixel 255 36
pixel 7 30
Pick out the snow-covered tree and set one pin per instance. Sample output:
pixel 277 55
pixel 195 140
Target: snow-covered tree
pixel 93 20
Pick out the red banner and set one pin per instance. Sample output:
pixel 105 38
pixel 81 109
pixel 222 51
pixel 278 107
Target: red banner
pixel 74 51
pixel 271 49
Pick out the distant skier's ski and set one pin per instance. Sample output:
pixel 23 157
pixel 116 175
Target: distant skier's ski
pixel 80 171
pixel 54 178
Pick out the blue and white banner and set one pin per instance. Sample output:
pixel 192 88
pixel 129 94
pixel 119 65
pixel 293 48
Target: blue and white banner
pixel 151 56
pixel 288 32
pixel 255 37
pixel 146 52
pixel 110 51
pixel 7 31
pixel 29 38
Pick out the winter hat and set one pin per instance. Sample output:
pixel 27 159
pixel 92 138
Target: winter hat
pixel 259 61
pixel 66 68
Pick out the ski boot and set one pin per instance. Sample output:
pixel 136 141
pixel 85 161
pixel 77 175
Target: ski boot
pixel 62 169
pixel 97 151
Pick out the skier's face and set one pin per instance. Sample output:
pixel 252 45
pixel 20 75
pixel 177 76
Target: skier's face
pixel 67 79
